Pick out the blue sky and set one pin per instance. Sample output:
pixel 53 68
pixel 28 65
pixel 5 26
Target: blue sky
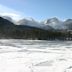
pixel 37 9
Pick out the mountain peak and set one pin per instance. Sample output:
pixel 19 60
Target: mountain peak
pixel 68 20
pixel 51 20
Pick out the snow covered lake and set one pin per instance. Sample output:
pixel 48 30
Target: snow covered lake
pixel 35 56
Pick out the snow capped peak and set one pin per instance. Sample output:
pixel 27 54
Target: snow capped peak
pixel 54 23
pixel 51 20
pixel 68 21
pixel 68 24
pixel 27 21
pixel 8 18
pixel 33 23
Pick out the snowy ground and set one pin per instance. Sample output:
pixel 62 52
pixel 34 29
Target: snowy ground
pixel 35 56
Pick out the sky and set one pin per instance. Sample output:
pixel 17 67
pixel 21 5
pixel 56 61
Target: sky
pixel 37 9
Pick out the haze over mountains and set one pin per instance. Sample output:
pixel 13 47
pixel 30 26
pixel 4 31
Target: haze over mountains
pixel 52 23
pixel 31 29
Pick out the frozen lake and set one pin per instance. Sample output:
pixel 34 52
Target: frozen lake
pixel 35 56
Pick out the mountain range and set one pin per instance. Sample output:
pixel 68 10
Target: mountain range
pixel 48 24
pixel 31 29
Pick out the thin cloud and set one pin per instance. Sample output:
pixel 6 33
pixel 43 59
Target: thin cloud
pixel 5 11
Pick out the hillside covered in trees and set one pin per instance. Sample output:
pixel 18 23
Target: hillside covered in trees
pixel 10 30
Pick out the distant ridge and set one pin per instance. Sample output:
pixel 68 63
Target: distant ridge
pixel 50 29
